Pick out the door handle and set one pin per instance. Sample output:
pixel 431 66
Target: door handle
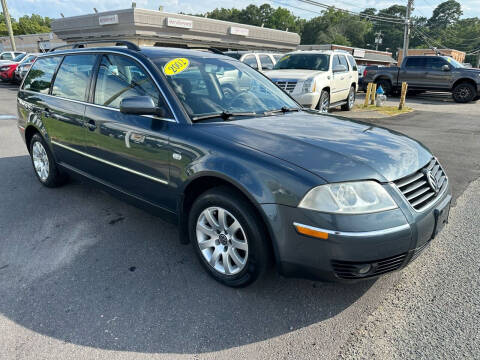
pixel 91 125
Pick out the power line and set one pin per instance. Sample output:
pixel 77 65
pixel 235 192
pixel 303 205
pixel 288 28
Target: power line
pixel 395 20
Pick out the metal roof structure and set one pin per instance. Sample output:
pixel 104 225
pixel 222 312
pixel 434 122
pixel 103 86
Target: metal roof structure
pixel 150 27
pixel 362 56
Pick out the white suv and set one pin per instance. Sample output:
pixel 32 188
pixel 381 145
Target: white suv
pixel 258 61
pixel 318 79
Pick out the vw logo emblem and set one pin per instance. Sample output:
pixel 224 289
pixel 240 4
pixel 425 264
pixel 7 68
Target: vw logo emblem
pixel 432 181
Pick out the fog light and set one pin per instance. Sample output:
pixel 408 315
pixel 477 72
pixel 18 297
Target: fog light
pixel 365 269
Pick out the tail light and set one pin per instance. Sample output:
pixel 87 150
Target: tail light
pixel 365 72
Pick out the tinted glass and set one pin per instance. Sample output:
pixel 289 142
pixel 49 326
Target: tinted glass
pixel 120 77
pixel 453 62
pixel 415 63
pixel 335 61
pixel 353 63
pixel 41 73
pixel 304 61
pixel 343 61
pixel 434 63
pixel 251 61
pixel 234 55
pixel 242 89
pixel 6 56
pixel 266 62
pixel 73 77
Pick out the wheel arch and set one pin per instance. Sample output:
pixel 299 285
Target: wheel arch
pixel 464 80
pixel 207 180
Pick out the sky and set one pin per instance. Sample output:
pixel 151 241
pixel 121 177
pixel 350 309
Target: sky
pixel 53 8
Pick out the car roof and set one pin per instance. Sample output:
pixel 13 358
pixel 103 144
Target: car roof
pixel 148 51
pixel 326 52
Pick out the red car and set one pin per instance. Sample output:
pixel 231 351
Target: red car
pixel 7 69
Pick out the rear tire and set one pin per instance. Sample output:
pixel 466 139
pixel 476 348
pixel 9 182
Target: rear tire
pixel 230 241
pixel 464 93
pixel 324 102
pixel 350 100
pixel 44 164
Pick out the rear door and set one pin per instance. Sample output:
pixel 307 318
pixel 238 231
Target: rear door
pixel 65 107
pixel 414 72
pixel 130 152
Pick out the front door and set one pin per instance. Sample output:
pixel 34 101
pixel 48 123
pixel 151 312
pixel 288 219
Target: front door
pixel 130 152
pixel 437 77
pixel 339 90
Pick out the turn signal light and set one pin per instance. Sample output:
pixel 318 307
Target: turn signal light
pixel 311 232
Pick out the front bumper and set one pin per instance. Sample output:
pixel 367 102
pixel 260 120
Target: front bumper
pixel 384 241
pixel 309 100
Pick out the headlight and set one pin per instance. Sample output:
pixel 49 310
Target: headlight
pixel 4 68
pixel 348 198
pixel 307 85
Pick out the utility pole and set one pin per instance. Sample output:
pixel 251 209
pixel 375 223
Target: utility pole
pixel 478 59
pixel 378 39
pixel 8 22
pixel 406 32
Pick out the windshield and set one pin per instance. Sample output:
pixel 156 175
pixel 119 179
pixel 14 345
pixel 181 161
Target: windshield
pixel 304 61
pixel 220 85
pixel 19 57
pixel 453 62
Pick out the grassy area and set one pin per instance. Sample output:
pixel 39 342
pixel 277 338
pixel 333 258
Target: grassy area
pixel 385 110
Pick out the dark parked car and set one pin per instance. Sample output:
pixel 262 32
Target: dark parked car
pixel 248 176
pixel 433 73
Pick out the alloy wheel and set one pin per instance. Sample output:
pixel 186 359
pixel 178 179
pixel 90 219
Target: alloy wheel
pixel 222 240
pixel 40 161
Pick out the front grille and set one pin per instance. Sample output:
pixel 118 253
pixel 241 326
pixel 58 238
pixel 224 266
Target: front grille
pixel 417 188
pixel 349 270
pixel 286 85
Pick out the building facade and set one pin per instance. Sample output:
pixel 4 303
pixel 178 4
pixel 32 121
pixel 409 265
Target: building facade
pixel 32 42
pixel 362 56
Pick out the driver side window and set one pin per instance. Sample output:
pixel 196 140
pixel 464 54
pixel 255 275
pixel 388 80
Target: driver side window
pixel 119 77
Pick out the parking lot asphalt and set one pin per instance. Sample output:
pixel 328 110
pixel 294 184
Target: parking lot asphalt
pixel 84 275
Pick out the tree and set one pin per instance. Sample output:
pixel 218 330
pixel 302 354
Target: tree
pixel 445 14
pixel 26 25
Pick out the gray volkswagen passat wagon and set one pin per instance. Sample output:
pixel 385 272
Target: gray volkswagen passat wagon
pixel 205 141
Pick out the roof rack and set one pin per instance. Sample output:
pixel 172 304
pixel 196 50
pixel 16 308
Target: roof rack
pixel 130 45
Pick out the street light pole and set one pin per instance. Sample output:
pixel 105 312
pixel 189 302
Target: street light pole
pixel 406 32
pixel 8 22
pixel 378 39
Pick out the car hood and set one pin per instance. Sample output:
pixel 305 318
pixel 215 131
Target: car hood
pixel 292 74
pixel 333 148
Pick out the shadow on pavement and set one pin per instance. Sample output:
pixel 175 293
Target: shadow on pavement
pixel 80 266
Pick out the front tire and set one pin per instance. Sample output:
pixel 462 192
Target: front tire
pixel 44 164
pixel 228 238
pixel 350 100
pixel 324 102
pixel 464 93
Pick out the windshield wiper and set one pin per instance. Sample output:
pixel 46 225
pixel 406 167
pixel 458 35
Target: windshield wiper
pixel 225 115
pixel 284 110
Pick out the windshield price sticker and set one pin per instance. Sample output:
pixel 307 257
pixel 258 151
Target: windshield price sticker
pixel 176 66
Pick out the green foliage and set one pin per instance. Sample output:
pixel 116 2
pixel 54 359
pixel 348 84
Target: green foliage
pixel 26 25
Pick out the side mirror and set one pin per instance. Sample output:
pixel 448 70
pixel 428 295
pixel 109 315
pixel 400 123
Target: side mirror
pixel 446 67
pixel 339 68
pixel 139 105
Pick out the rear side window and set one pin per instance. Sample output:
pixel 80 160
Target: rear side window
pixel 120 77
pixel 267 63
pixel 6 56
pixel 40 75
pixel 415 63
pixel 352 62
pixel 73 77
pixel 251 61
